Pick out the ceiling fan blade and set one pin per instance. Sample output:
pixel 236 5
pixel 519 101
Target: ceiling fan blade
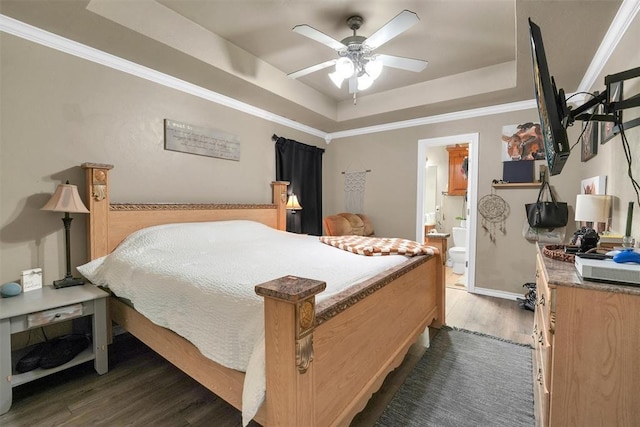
pixel 402 22
pixel 312 69
pixel 402 63
pixel 318 36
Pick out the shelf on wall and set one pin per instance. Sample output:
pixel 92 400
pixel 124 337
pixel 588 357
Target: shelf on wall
pixel 514 185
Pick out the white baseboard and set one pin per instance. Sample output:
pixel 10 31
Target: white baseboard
pixel 498 293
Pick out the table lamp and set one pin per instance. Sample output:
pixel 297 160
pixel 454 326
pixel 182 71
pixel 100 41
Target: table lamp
pixel 66 199
pixel 292 203
pixel 591 208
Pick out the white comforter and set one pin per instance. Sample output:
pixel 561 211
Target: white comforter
pixel 198 279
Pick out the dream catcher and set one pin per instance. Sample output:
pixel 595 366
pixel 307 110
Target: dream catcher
pixel 494 211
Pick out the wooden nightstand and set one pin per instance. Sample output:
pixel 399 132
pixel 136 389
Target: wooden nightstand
pixel 42 307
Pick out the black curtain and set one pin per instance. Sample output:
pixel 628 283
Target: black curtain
pixel 301 165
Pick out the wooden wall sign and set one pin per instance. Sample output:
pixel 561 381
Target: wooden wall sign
pixel 202 141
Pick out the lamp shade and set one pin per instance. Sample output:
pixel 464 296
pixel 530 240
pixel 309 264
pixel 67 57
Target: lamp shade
pixel 292 203
pixel 336 78
pixel 364 82
pixel 593 208
pixel 344 67
pixel 65 199
pixel 373 68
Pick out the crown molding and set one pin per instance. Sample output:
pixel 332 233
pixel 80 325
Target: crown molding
pixel 624 17
pixel 440 118
pixel 45 38
pixel 620 24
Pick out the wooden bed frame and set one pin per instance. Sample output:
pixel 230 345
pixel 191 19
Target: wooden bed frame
pixel 323 361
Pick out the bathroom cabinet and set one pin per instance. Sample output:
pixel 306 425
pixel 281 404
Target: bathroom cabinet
pixel 437 240
pixel 457 177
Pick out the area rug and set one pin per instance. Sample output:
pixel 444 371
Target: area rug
pixel 466 379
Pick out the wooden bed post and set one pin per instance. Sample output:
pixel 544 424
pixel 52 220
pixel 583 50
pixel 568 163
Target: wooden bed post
pixel 97 178
pixel 289 317
pixel 280 200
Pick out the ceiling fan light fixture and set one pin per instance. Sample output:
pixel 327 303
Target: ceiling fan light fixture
pixel 344 67
pixel 364 82
pixel 336 78
pixel 357 61
pixel 373 68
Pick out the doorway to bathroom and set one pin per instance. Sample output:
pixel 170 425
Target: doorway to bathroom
pixel 433 191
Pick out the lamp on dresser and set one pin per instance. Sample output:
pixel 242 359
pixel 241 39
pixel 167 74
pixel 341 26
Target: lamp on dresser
pixel 591 208
pixel 66 199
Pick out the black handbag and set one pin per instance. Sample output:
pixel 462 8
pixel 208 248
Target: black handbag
pixel 549 215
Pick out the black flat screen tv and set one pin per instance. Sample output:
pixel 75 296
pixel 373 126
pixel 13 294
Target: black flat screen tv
pixel 552 106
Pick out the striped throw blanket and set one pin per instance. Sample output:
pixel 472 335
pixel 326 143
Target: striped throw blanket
pixel 375 246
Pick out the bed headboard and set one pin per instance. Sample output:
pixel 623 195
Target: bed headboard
pixel 109 223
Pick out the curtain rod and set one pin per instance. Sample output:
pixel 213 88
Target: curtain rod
pixel 274 137
pixel 343 172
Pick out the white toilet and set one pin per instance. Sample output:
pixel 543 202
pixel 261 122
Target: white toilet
pixel 458 253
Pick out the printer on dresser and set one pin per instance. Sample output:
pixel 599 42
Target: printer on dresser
pixel 587 349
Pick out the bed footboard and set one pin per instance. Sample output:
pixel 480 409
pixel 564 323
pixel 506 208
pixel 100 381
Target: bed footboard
pixel 289 313
pixel 322 372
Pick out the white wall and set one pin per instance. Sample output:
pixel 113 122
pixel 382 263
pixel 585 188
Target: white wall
pixel 59 111
pixel 610 160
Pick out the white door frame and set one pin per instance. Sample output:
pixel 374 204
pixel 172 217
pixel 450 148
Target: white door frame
pixel 472 191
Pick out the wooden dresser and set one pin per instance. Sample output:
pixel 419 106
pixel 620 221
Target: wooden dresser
pixel 587 349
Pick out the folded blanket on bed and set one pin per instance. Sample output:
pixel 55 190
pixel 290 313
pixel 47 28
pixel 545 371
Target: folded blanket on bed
pixel 371 246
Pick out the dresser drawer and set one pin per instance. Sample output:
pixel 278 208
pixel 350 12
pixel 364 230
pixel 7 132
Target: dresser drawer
pixel 542 343
pixel 54 315
pixel 545 298
pixel 541 400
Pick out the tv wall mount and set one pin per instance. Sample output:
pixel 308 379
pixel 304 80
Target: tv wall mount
pixel 612 106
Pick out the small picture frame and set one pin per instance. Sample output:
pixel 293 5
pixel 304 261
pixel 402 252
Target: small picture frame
pixel 589 140
pixel 607 129
pixel 31 279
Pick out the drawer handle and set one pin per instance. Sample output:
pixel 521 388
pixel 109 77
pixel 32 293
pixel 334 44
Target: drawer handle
pixel 541 338
pixel 539 376
pixel 537 273
pixel 57 315
pixel 541 301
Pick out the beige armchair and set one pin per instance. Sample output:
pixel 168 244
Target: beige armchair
pixel 346 223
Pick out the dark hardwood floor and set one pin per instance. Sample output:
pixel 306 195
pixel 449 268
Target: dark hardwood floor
pixel 141 388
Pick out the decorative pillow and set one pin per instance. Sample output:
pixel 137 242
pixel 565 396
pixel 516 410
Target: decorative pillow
pixel 336 225
pixel 357 226
pixel 347 224
pixel 368 225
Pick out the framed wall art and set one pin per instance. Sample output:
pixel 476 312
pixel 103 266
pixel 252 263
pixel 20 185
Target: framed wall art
pixel 607 128
pixel 192 139
pixel 522 142
pixel 589 140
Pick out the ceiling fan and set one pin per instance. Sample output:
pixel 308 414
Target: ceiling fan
pixel 356 60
